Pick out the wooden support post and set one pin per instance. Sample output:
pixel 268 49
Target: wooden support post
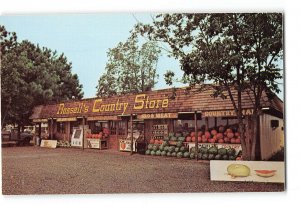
pixel 131 127
pixel 51 133
pixel 216 122
pixel 206 124
pixel 83 135
pixel 40 130
pixel 196 136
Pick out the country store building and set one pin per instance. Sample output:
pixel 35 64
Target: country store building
pixel 117 122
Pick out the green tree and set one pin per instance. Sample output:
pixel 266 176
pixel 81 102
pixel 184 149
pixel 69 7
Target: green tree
pixel 233 51
pixel 131 68
pixel 32 76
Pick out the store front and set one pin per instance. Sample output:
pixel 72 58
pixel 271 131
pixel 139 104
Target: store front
pixel 131 122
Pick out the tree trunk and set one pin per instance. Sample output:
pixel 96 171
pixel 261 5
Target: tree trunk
pixel 255 136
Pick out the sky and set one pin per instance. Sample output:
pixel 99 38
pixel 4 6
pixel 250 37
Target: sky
pixel 85 40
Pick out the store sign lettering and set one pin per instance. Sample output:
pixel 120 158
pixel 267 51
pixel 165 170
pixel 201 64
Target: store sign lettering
pixel 79 108
pixel 142 101
pixel 157 115
pixel 226 113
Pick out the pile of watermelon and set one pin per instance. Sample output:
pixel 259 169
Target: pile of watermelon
pixel 176 149
pixel 215 153
pixel 216 135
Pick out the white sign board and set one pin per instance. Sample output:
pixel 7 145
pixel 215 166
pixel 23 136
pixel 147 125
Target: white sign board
pixel 125 145
pixel 93 143
pixel 76 140
pixel 218 171
pixel 49 143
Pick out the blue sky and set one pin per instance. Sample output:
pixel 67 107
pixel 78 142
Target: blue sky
pixel 84 39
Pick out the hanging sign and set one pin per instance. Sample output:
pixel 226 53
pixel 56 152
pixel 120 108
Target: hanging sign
pixel 225 113
pixel 157 115
pixel 103 118
pixel 66 119
pixel 40 120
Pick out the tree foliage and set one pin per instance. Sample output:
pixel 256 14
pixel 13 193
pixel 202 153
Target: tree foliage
pixel 32 76
pixel 131 68
pixel 235 50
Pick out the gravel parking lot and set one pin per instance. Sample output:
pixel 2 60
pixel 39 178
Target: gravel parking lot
pixel 35 170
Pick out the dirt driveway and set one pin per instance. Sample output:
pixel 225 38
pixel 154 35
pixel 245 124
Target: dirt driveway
pixel 35 170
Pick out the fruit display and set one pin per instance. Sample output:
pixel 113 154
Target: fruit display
pixel 172 146
pixel 238 170
pixel 216 135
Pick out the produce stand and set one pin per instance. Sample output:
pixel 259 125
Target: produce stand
pixel 97 141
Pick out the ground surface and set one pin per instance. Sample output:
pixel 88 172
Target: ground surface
pixel 35 170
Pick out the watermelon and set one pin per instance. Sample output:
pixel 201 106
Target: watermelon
pixel 157 153
pixel 222 151
pixel 231 152
pixel 152 153
pixel 199 155
pixel 161 148
pixel 213 150
pixel 171 149
pixel 155 147
pixel 203 150
pixel 177 149
pixel 169 154
pixel 192 155
pixel 150 146
pixel 165 143
pixel 218 157
pixel 225 157
pixel 163 153
pixel 186 155
pixel 166 138
pixel 148 152
pixel 185 134
pixel 211 156
pixel 192 150
pixel 231 157
pixel 171 134
pixel 204 156
pixel 179 144
pixel 173 138
pixel 179 155
pixel 181 139
pixel 166 148
pixel 174 154
pixel 183 149
pixel 178 134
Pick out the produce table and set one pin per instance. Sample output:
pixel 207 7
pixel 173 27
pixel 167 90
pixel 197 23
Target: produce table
pixel 97 143
pixel 218 171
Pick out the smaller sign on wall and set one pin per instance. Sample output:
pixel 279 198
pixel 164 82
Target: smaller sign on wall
pixel 66 119
pixel 157 115
pixel 103 118
pixel 40 120
pixel 225 113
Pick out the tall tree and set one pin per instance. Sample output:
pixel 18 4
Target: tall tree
pixel 32 76
pixel 131 68
pixel 234 51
